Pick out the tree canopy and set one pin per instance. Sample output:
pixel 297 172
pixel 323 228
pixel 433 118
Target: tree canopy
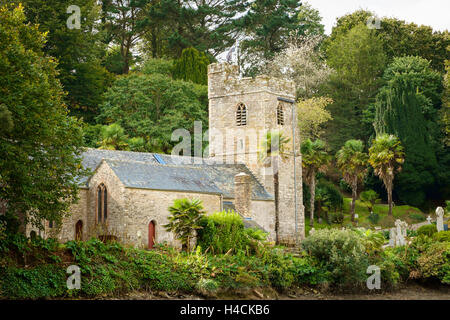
pixel 405 109
pixel 192 66
pixel 358 60
pixel 78 51
pixel 40 152
pixel 153 106
pixel 400 38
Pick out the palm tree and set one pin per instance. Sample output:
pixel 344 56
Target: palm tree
pixel 386 157
pixel 137 144
pixel 274 147
pixel 323 200
pixel 314 159
pixel 369 197
pixel 113 138
pixel 184 220
pixel 352 162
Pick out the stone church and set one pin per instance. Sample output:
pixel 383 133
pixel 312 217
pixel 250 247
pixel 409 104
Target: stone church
pixel 128 193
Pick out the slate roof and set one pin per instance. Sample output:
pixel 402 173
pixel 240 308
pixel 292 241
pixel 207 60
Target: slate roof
pixel 144 175
pixel 142 170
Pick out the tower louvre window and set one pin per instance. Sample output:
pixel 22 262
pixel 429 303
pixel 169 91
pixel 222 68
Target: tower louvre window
pixel 241 115
pixel 280 115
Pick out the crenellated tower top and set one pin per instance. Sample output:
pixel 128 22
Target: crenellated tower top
pixel 224 80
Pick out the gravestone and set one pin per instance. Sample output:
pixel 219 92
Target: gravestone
pixel 404 227
pixel 399 231
pixel 392 236
pixel 440 219
pixel 429 219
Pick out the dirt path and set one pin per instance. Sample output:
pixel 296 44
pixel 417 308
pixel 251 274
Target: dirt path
pixel 410 292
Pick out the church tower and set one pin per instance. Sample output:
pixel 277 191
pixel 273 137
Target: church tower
pixel 241 112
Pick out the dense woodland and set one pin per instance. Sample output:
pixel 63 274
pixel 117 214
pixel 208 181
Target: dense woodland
pixel 135 70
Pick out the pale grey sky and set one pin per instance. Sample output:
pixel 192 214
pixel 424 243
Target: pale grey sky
pixel 434 13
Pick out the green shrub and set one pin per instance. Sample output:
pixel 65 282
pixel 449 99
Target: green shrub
pixel 281 269
pixel 369 197
pixel 159 271
pixel 40 282
pixel 105 268
pixel 2 230
pixel 435 262
pixel 421 243
pixel 256 234
pixel 337 217
pixel 221 232
pixel 427 230
pixel 374 217
pixel 392 268
pixel 417 216
pixel 309 271
pixel 411 233
pixel 442 236
pixel 342 252
pixel 332 198
pixel 373 241
pixel 224 231
pixel 239 270
pixel 206 286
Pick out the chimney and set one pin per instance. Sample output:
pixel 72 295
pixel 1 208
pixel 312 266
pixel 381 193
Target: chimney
pixel 242 194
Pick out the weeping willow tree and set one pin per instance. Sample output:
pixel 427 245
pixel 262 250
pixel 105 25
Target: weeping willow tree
pixel 402 109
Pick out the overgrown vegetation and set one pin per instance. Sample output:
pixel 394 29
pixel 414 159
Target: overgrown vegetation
pixel 33 269
pixel 224 232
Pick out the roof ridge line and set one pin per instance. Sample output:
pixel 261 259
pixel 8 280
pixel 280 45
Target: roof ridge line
pixel 152 163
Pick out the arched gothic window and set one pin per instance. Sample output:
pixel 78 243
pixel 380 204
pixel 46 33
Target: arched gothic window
pixel 102 203
pixel 280 115
pixel 241 115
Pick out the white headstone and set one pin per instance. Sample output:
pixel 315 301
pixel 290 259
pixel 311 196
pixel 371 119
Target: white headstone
pixel 399 239
pixel 392 236
pixel 404 229
pixel 440 219
pixel 429 219
pixel 311 231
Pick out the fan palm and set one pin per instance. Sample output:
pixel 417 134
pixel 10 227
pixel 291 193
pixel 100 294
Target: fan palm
pixel 113 138
pixel 184 220
pixel 386 157
pixel 314 159
pixel 352 162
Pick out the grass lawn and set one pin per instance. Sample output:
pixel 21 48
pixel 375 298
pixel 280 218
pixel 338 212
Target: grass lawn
pixel 406 213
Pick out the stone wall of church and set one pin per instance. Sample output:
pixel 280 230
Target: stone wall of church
pixel 66 230
pixel 287 201
pixel 144 206
pixel 263 213
pixel 78 211
pixel 116 205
